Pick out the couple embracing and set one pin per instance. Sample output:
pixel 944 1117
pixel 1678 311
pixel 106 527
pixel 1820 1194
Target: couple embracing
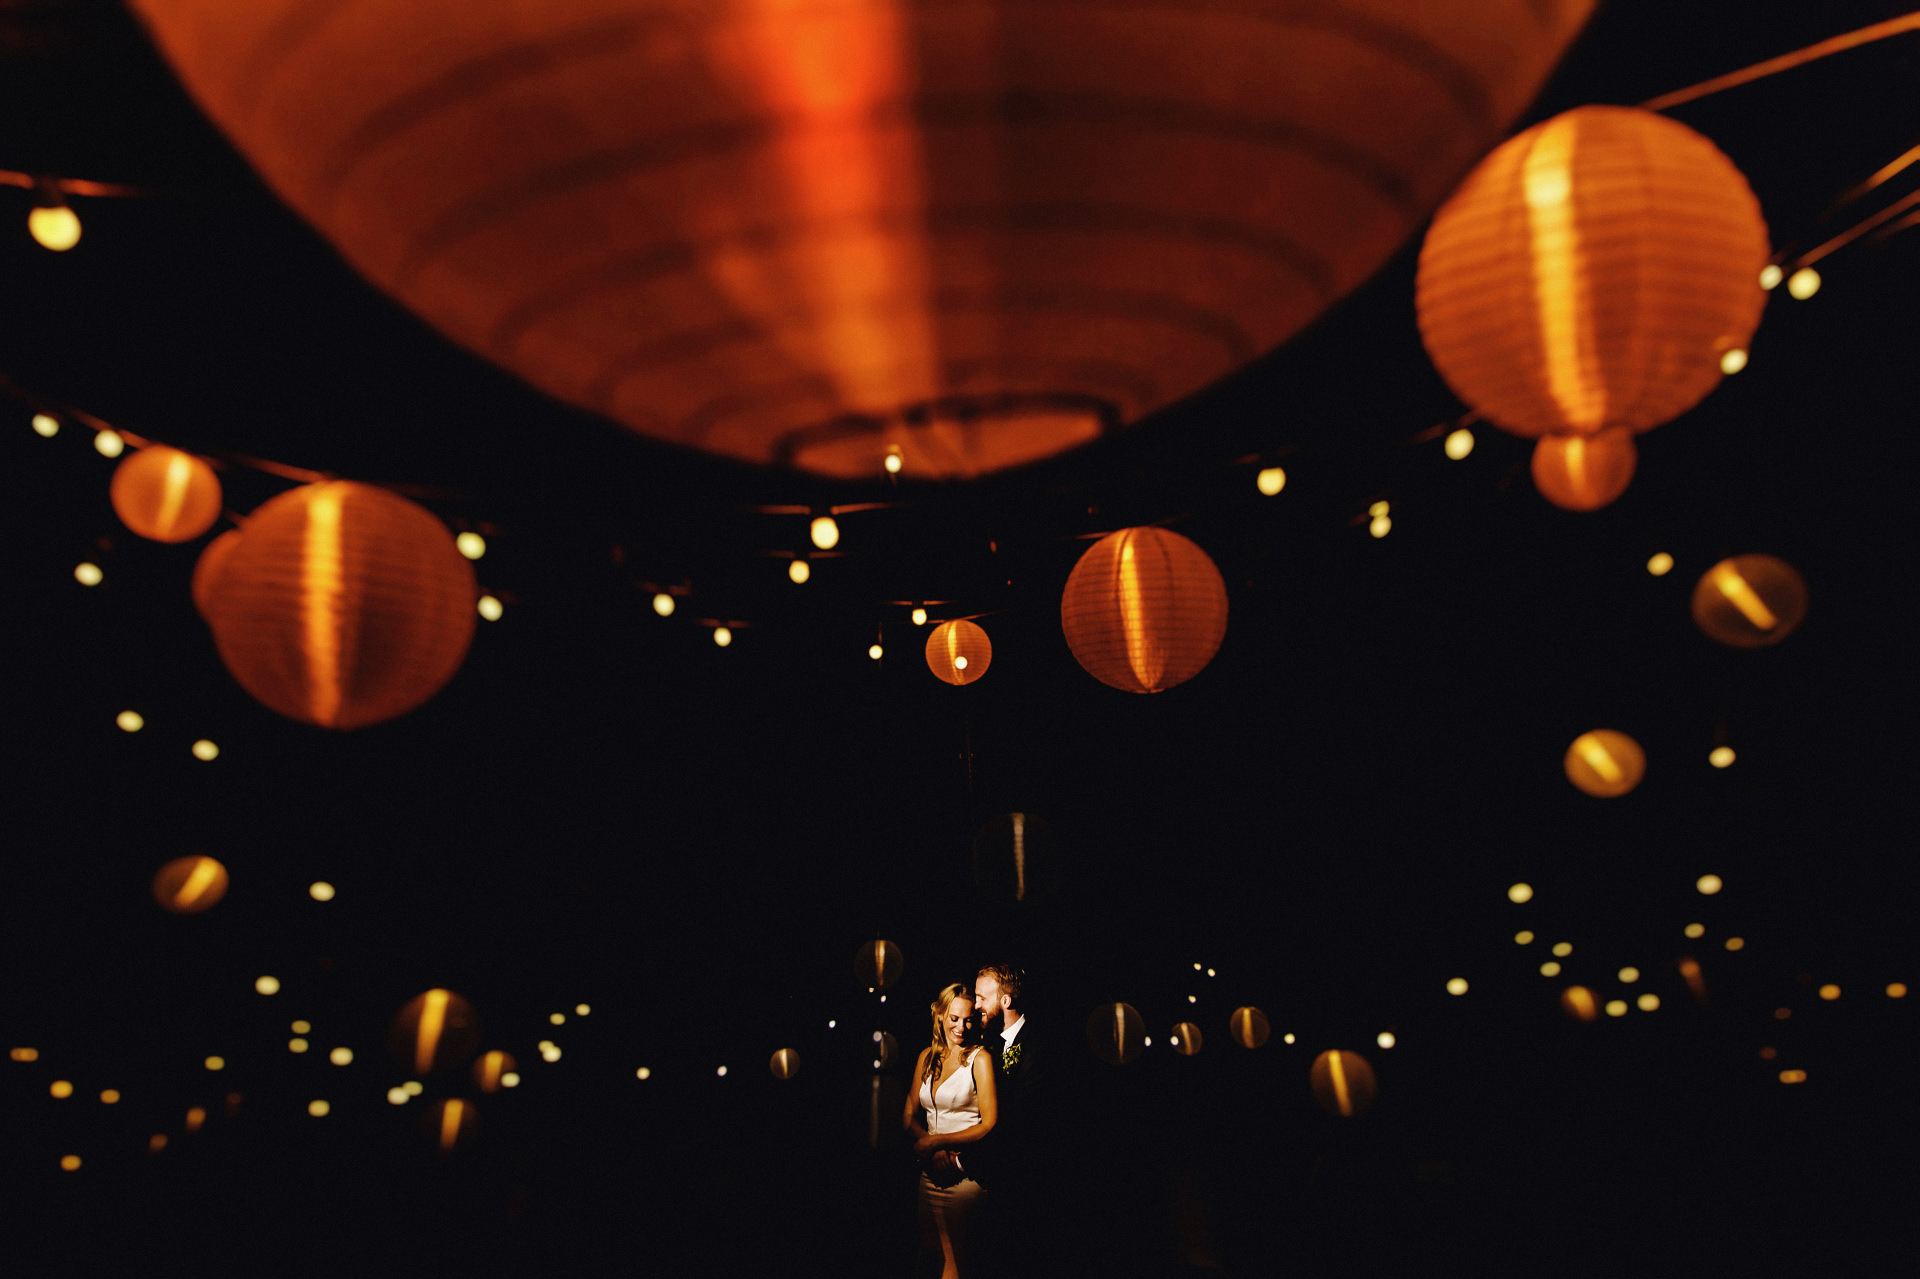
pixel 971 1116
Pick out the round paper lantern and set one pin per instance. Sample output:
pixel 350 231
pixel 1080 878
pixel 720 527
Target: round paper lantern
pixel 490 1067
pixel 164 494
pixel 959 652
pixel 451 1123
pixel 1604 763
pixel 1343 1083
pixel 189 885
pixel 1249 1027
pixel 341 604
pixel 1591 272
pixel 1187 1039
pixel 784 1064
pixel 878 964
pixel 1144 609
pixel 207 569
pixel 1017 860
pixel 1584 472
pixel 969 234
pixel 1578 1003
pixel 886 1049
pixel 434 1031
pixel 1750 601
pixel 1116 1033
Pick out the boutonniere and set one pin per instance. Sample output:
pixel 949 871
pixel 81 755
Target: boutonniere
pixel 1011 1057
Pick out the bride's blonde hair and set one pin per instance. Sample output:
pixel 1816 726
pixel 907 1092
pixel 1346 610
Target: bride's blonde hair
pixel 938 1057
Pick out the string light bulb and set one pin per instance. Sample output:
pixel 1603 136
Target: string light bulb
pixel 722 636
pixel 663 604
pixel 88 573
pixel 875 651
pixel 205 751
pixel 320 890
pixel 1270 480
pixel 54 227
pixel 1720 756
pixel 130 721
pixel 109 443
pixel 1459 444
pixel 919 617
pixel 799 571
pixel 1660 564
pixel 1709 884
pixel 824 532
pixel 491 609
pixel 1770 276
pixel 1733 360
pixel 1803 284
pixel 45 426
pixel 892 460
pixel 471 545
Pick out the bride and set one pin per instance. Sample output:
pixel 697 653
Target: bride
pixel 956 1094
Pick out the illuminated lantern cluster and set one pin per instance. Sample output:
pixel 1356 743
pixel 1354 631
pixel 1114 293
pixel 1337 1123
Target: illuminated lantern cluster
pixel 958 652
pixel 1249 1027
pixel 1604 763
pixel 1343 1083
pixel 189 885
pixel 1116 1033
pixel 1144 609
pixel 1595 276
pixel 878 964
pixel 1750 601
pixel 1017 860
pixel 166 495
pixel 435 1031
pixel 338 604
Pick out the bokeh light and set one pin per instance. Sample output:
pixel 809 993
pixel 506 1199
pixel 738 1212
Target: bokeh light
pixel 215 1063
pixel 56 228
pixel 87 573
pixel 1660 564
pixel 196 1115
pixel 1733 360
pixel 1563 948
pixel 1270 480
pixel 1343 1083
pixel 413 1087
pixel 435 1030
pixel 1695 930
pixel 581 1010
pixel 130 721
pixel 45 425
pixel 302 1026
pixel 663 604
pixel 68 1163
pixel 1524 937
pixel 61 1089
pixel 1459 443
pixel 784 1064
pixel 1249 1027
pixel 318 1108
pixel 1720 756
pixel 24 1054
pixel 1629 974
pixel 189 885
pixel 1605 763
pixel 1736 943
pixel 1380 525
pixel 320 890
pixel 157 1143
pixel 511 1079
pixel 1616 1008
pixel 557 1019
pixel 1578 1003
pixel 1793 1076
pixel 471 545
pixel 1803 284
pixel 108 443
pixel 1709 884
pixel 1770 276
pixel 490 608
pixel 1116 1033
pixel 1829 992
pixel 1648 1002
pixel 1550 969
pixel 298 1045
pixel 1520 893
pixel 490 1070
pixel 875 652
pixel 919 617
pixel 798 571
pixel 397 1096
pixel 824 532
pixel 205 751
pixel 341 1056
pixel 1456 985
pixel 1187 1039
pixel 892 461
pixel 267 985
pixel 643 1073
pixel 1385 1039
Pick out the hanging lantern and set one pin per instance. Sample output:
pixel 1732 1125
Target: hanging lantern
pixel 1116 1033
pixel 1249 1027
pixel 1750 601
pixel 1593 272
pixel 1584 472
pixel 1604 763
pixel 1144 609
pixel 207 569
pixel 451 1123
pixel 490 1068
pixel 1343 1083
pixel 1578 1003
pixel 436 1030
pixel 1187 1039
pixel 189 885
pixel 340 605
pixel 959 652
pixel 965 235
pixel 878 964
pixel 886 1050
pixel 784 1064
pixel 164 494
pixel 1017 860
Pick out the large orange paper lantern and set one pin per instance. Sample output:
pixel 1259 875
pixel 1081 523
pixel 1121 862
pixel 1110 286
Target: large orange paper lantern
pixel 1604 763
pixel 1144 609
pixel 1584 472
pixel 1343 1083
pixel 189 885
pixel 958 652
pixel 164 494
pixel 1592 272
pixel 434 1031
pixel 1116 1033
pixel 207 569
pixel 1750 601
pixel 971 232
pixel 341 604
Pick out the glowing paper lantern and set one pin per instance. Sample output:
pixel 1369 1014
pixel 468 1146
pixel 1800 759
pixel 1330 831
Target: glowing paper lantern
pixel 434 1031
pixel 1750 601
pixel 341 605
pixel 784 1064
pixel 1343 1083
pixel 1578 1003
pixel 1591 272
pixel 878 964
pixel 1017 860
pixel 1144 609
pixel 189 885
pixel 1116 1033
pixel 490 1067
pixel 166 495
pixel 1187 1039
pixel 1605 763
pixel 1584 472
pixel 451 1123
pixel 1249 1027
pixel 958 652
pixel 968 234
pixel 886 1049
pixel 208 568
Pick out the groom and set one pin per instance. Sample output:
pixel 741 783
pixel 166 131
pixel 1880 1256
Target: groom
pixel 1004 1164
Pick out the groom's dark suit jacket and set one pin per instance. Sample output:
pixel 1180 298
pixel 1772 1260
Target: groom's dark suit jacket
pixel 1006 1153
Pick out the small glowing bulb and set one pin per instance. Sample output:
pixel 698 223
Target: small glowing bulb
pixel 1384 1039
pixel 61 1089
pixel 1616 1008
pixel 301 1027
pixel 1378 509
pixel 1456 985
pixel 892 462
pixel 1803 284
pixel 1287 1038
pixel 109 443
pixel 1270 480
pixel 550 1053
pixel 1793 1076
pixel 831 1024
pixel 1629 974
pixel 1661 564
pixel 297 1045
pixel 1720 756
pixel 109 1096
pixel 1648 1002
pixel 1695 930
pixel 205 751
pixel 68 1163
pixel 1459 444
pixel 824 532
pixel 919 617
pixel 396 1096
pixel 643 1073
pixel 1896 990
pixel 57 228
pixel 1381 526
pixel 875 651
pixel 88 574
pixel 722 636
pixel 1196 968
pixel 799 571
pixel 1147 1043
pixel 267 985
pixel 318 1108
pixel 24 1054
pixel 471 545
pixel 558 1019
pixel 341 1056
pixel 491 608
pixel 130 721
pixel 722 1072
pixel 1550 969
pixel 510 1080
pixel 1210 972
pixel 1733 361
pixel 215 1063
pixel 1524 937
pixel 1562 949
pixel 663 604
pixel 413 1088
pixel 1736 943
pixel 1829 992
pixel 1193 999
pixel 320 890
pixel 960 663
pixel 1520 893
pixel 1709 884
pixel 581 1010
pixel 45 425
pixel 1770 276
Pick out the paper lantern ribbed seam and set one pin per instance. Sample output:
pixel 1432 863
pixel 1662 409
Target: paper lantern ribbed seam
pixel 1144 610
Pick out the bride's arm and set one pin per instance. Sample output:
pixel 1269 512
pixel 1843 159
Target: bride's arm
pixel 910 1120
pixel 983 1083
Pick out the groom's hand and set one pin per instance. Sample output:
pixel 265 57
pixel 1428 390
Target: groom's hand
pixel 944 1162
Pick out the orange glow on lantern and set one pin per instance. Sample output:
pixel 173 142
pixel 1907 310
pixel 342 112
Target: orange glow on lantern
pixel 1750 601
pixel 165 495
pixel 784 1064
pixel 1116 1033
pixel 958 652
pixel 1186 1039
pixel 1343 1083
pixel 489 1068
pixel 1584 472
pixel 1249 1027
pixel 435 1030
pixel 1604 763
pixel 451 1123
pixel 189 885
pixel 1144 610
pixel 878 964
pixel 1578 1003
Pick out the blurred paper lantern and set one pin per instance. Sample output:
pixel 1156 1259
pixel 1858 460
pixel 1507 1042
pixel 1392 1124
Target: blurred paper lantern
pixel 1249 1027
pixel 341 605
pixel 969 235
pixel 784 1064
pixel 1116 1033
pixel 489 1068
pixel 886 1049
pixel 211 564
pixel 451 1123
pixel 1605 763
pixel 1017 859
pixel 1187 1039
pixel 189 885
pixel 1591 272
pixel 1578 1003
pixel 1584 472
pixel 878 964
pixel 166 495
pixel 959 652
pixel 1343 1083
pixel 434 1031
pixel 1144 609
pixel 1750 601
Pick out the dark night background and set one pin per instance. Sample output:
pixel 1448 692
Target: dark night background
pixel 605 807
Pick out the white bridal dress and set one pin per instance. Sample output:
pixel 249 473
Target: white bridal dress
pixel 947 1212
